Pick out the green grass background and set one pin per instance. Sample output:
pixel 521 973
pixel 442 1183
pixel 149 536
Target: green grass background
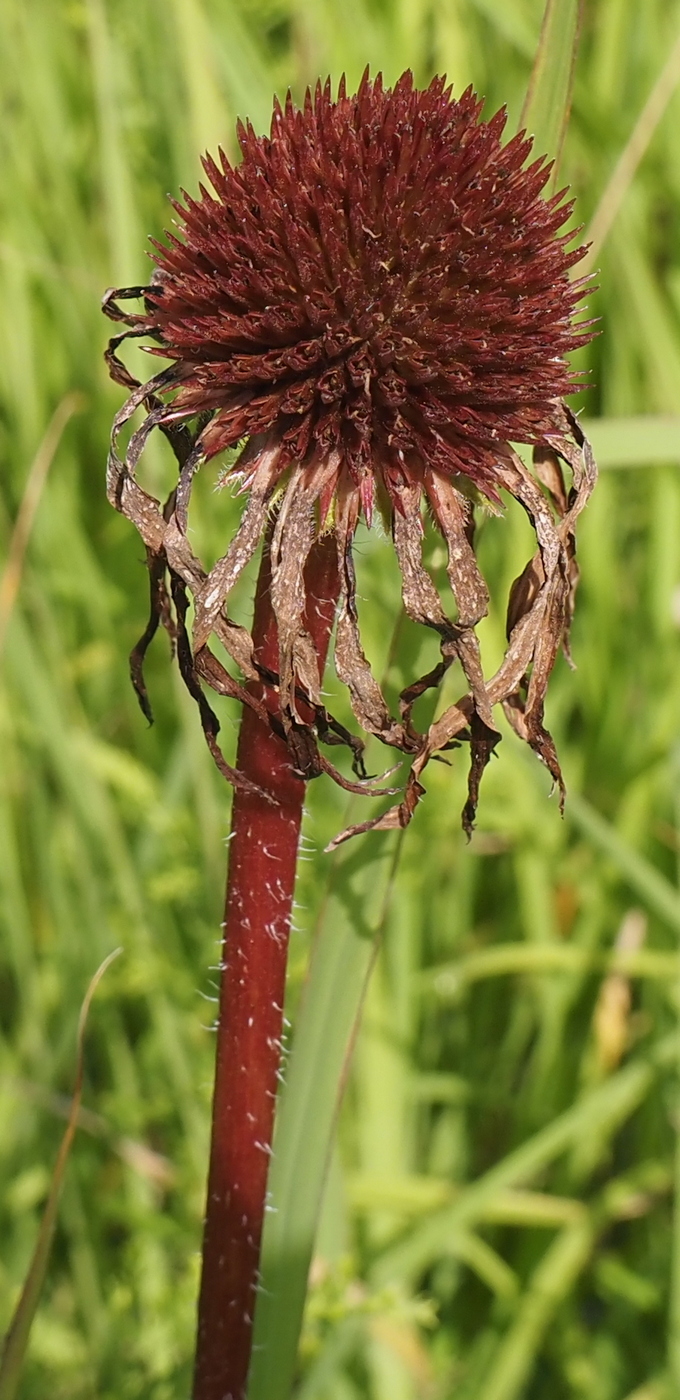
pixel 499 1220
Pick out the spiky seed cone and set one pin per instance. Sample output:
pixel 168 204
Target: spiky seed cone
pixel 378 298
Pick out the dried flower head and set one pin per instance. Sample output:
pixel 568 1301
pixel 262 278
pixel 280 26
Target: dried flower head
pixel 377 298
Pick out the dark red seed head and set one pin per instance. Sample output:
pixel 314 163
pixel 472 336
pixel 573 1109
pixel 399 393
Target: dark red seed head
pixel 381 276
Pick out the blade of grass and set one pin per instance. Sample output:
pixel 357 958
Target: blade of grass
pixel 138 1155
pixel 545 114
pixel 648 440
pixel 121 224
pixel 207 110
pixel 639 874
pixel 507 959
pixel 649 309
pixel 343 955
pixel 551 1281
pixel 35 482
pixel 417 1195
pixel 486 1263
pixel 673 1346
pixel 623 173
pixel 18 1334
pixel 602 1109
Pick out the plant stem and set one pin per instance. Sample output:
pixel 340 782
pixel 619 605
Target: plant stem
pixel 262 863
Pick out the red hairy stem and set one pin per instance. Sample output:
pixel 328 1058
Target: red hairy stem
pixel 262 862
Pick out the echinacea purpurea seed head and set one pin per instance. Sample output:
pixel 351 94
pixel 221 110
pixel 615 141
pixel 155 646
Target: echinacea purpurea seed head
pixel 377 298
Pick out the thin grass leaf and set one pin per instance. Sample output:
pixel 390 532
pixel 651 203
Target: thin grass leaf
pixel 417 1195
pixel 17 1338
pixel 486 1263
pixel 121 223
pixel 637 872
pixel 343 955
pixel 645 441
pixel 35 483
pixel 549 1284
pixel 545 114
pixel 623 174
pixel 507 959
pixel 602 1110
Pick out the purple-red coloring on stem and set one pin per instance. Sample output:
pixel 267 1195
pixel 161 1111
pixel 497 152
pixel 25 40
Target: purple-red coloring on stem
pixel 262 863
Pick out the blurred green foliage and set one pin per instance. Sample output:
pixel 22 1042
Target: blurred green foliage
pixel 499 1219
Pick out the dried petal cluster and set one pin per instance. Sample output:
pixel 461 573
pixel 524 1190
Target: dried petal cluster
pixel 378 300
